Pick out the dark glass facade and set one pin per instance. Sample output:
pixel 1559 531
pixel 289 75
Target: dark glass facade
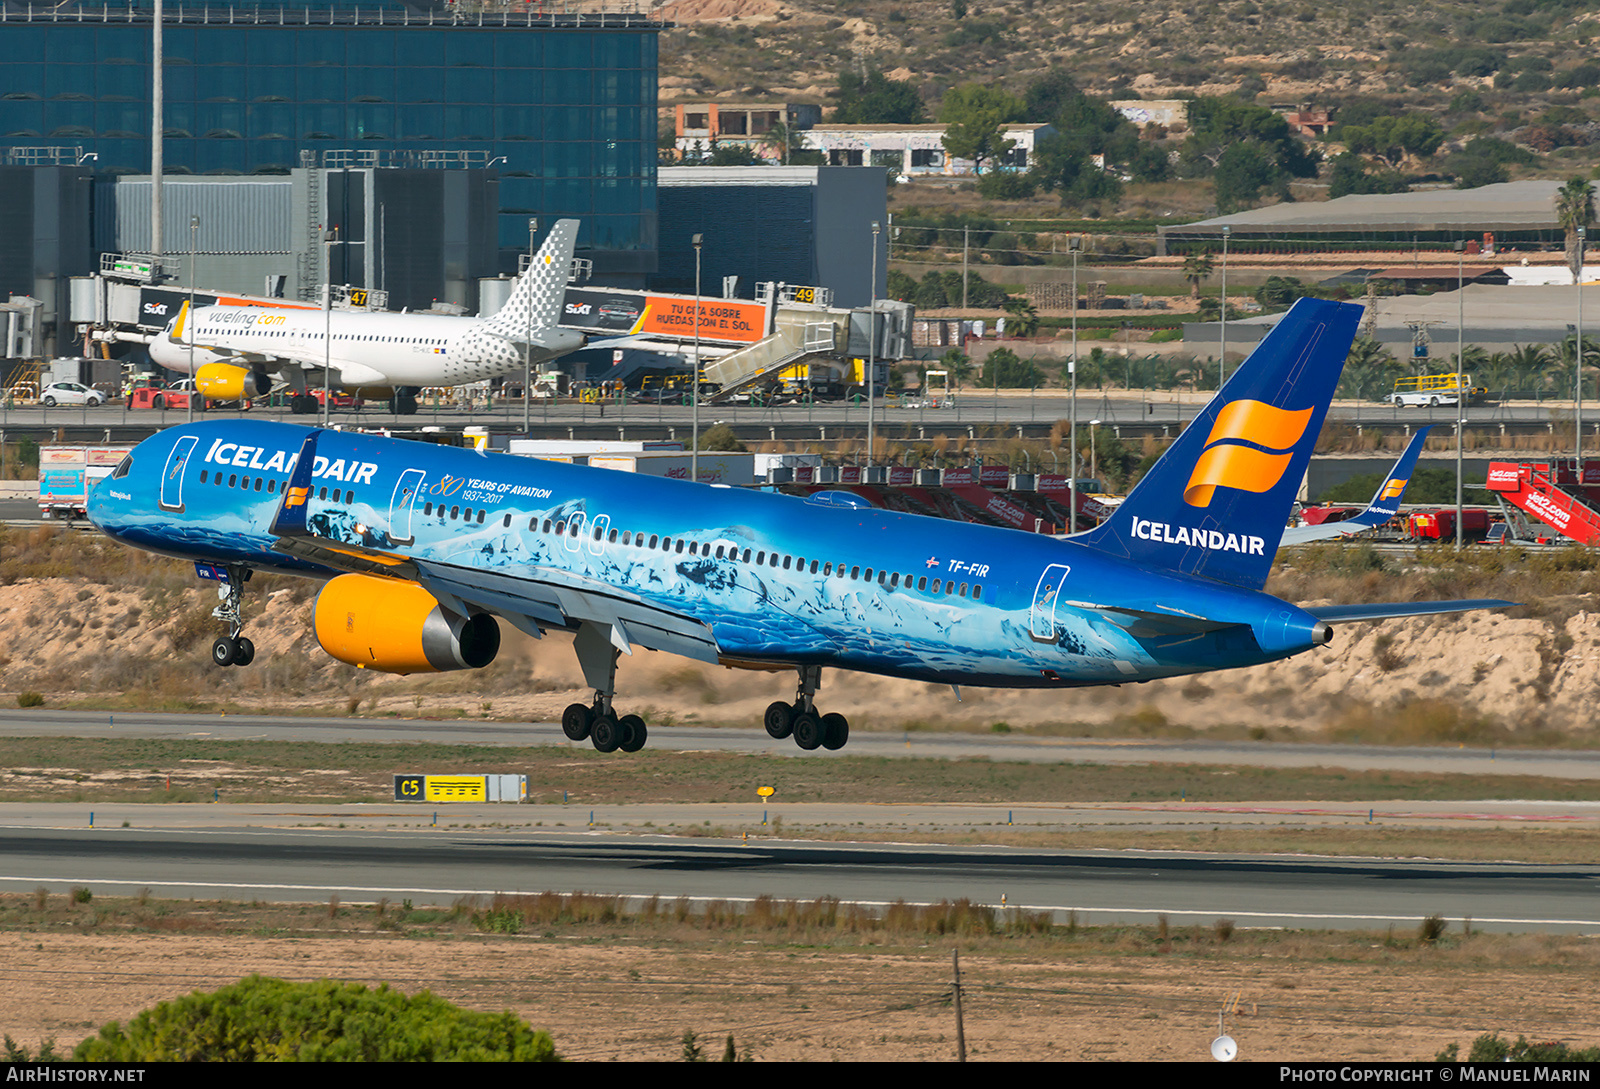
pixel 564 107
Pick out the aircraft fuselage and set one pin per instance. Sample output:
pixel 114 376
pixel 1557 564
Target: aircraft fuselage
pixel 779 581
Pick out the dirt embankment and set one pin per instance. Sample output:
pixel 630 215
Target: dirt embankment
pixel 1421 680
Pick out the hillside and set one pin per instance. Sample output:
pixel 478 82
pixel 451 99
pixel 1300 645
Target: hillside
pixel 1516 70
pixel 1300 51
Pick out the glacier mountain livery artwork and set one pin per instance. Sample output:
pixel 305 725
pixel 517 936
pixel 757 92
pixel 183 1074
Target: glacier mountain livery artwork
pixel 427 550
pixel 246 351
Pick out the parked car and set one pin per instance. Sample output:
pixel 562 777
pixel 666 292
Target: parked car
pixel 70 393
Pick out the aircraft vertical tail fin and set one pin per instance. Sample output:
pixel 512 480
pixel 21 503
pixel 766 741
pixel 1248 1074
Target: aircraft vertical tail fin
pixel 541 288
pixel 1217 501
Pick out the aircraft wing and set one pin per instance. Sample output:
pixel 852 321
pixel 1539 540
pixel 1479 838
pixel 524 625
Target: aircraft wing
pixel 1385 502
pixel 1394 610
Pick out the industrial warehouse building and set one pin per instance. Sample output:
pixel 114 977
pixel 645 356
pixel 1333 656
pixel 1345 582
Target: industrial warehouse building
pixel 1519 215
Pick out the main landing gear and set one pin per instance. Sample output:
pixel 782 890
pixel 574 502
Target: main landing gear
pixel 234 648
pixel 800 719
pixel 599 723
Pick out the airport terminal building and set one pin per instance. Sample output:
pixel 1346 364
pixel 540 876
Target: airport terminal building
pixel 561 105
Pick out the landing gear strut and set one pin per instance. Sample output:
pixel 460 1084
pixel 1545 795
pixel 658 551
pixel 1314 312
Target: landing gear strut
pixel 598 723
pixel 801 720
pixel 234 648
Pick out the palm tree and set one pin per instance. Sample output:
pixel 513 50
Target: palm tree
pixel 1196 267
pixel 959 364
pixel 1369 371
pixel 1574 209
pixel 1024 315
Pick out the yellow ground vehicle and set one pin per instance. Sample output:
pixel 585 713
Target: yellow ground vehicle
pixel 1433 390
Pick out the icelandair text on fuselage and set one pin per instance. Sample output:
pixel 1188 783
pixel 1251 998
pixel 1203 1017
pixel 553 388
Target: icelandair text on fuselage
pixel 1214 539
pixel 281 461
pixel 1441 1072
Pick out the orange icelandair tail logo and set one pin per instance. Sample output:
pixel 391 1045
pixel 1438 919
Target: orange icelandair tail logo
pixel 297 497
pixel 1392 490
pixel 1227 462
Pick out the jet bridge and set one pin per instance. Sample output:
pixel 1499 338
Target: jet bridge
pixel 747 344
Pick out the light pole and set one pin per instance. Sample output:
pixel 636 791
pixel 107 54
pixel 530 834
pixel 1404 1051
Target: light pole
pixel 1074 244
pixel 1222 363
pixel 527 344
pixel 1577 404
pixel 1461 382
pixel 872 344
pixel 694 383
pixel 328 242
pixel 1094 474
pixel 194 379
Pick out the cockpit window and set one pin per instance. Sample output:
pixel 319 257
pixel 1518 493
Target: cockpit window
pixel 124 467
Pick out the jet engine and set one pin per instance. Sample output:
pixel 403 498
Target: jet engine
pixel 227 382
pixel 398 627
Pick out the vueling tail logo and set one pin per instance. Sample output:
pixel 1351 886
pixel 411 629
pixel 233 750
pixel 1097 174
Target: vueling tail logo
pixel 1249 449
pixel 1392 490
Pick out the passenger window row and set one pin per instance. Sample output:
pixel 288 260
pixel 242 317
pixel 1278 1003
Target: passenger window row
pixel 889 580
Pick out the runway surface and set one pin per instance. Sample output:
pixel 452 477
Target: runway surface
pixel 410 860
pixel 1461 760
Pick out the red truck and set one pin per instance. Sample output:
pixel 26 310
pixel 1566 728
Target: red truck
pixel 1440 525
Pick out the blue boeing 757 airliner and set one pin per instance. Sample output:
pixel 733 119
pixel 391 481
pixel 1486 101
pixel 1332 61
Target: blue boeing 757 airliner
pixel 424 547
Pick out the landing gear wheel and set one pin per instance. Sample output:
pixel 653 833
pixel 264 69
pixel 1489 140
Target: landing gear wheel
pixel 222 652
pixel 244 651
pixel 576 721
pixel 606 733
pixel 634 731
pixel 808 731
pixel 835 732
pixel 779 720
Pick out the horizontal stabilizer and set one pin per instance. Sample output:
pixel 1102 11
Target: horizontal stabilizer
pixel 1394 610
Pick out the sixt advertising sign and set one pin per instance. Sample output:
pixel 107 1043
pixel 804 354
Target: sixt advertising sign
pixel 634 312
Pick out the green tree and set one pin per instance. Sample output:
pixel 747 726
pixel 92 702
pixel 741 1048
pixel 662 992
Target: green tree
pixel 1196 269
pixel 734 154
pixel 877 100
pixel 1023 316
pixel 1369 371
pixel 1004 369
pixel 900 286
pixel 1393 138
pixel 1574 209
pixel 1350 175
pixel 1219 124
pixel 976 114
pixel 958 363
pixel 261 1019
pixel 721 437
pixel 1243 172
pixel 1062 165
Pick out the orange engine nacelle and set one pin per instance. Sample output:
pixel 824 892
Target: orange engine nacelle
pixel 398 627
pixel 226 382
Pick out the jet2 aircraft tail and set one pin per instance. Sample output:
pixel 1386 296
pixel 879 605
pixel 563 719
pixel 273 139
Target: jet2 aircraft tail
pixel 1216 503
pixel 541 288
